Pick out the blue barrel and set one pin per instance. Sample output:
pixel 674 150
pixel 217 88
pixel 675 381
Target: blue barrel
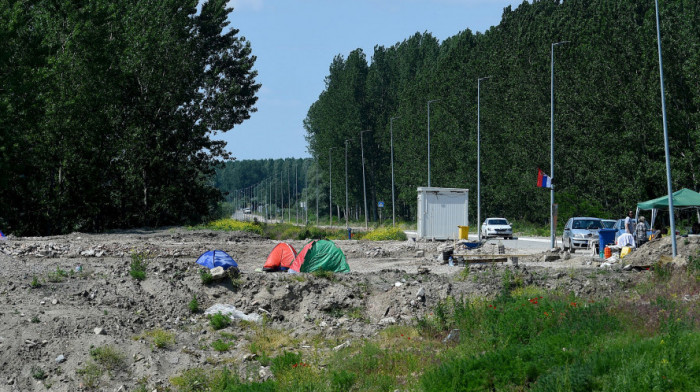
pixel 606 237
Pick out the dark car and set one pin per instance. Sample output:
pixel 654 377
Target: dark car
pixel 579 233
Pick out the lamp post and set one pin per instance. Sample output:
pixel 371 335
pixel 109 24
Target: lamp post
pixel 668 158
pixel 393 203
pixel 432 100
pixel 364 185
pixel 478 155
pixel 551 158
pixel 347 224
pixel 330 187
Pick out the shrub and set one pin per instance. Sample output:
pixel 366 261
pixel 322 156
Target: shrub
pixel 385 234
pixel 193 305
pixel 161 338
pixel 38 373
pixel 219 321
pixel 139 262
pixel 57 276
pixel 90 375
pixel 234 225
pixel 35 283
pixel 109 358
pixel 220 346
pixel 205 275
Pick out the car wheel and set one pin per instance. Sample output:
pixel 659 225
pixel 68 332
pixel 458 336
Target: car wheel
pixel 571 247
pixel 563 244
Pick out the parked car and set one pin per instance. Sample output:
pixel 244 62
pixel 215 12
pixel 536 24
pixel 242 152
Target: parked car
pixel 620 227
pixel 579 232
pixel 496 227
pixel 246 211
pixel 608 223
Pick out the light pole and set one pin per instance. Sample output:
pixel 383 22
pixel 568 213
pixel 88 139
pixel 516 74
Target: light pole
pixel 391 142
pixel 330 187
pixel 668 158
pixel 478 155
pixel 347 224
pixel 364 184
pixel 433 100
pixel 551 158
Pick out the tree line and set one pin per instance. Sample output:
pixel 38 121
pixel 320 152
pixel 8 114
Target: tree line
pixel 107 108
pixel 609 148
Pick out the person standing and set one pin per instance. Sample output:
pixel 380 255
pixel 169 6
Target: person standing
pixel 640 231
pixel 629 223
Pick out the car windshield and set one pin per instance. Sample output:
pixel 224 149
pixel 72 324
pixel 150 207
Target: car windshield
pixel 589 224
pixel 608 224
pixel 498 222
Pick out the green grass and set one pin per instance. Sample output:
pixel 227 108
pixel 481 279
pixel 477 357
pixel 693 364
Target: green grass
pixel 90 375
pixel 139 263
pixel 385 234
pixel 219 321
pixel 525 339
pixel 160 338
pixel 57 276
pixel 205 275
pixel 35 283
pixel 193 305
pixel 109 357
pixel 220 345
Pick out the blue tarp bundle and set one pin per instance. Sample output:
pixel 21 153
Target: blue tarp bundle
pixel 216 258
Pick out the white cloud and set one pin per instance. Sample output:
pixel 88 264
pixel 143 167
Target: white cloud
pixel 252 5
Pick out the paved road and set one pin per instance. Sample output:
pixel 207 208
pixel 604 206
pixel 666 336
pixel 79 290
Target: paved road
pixel 527 244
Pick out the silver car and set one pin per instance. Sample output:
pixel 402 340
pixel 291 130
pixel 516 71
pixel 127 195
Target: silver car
pixel 579 232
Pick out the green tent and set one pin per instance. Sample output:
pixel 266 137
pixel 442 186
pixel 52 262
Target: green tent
pixel 683 198
pixel 320 255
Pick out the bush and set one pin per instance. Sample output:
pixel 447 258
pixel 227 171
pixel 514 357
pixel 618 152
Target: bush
pixel 193 305
pixel 109 358
pixel 205 275
pixel 385 234
pixel 234 225
pixel 219 321
pixel 139 262
pixel 161 338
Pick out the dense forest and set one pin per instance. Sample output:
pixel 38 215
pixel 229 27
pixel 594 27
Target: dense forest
pixel 107 108
pixel 609 148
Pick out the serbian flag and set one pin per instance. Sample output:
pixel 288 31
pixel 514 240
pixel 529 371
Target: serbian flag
pixel 543 180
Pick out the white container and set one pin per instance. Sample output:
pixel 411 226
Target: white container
pixel 441 211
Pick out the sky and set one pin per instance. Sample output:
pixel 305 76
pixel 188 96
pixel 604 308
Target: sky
pixel 296 40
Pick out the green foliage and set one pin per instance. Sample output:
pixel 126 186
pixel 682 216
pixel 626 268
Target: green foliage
pixel 193 305
pixel 323 274
pixel 57 276
pixel 35 283
pixel 139 262
pixel 219 321
pixel 220 346
pixel 199 380
pixel 234 225
pixel 131 147
pixel 38 373
pixel 35 319
pixel 109 357
pixel 284 362
pixel 206 276
pixel 385 234
pixel 160 338
pixel 598 128
pixel 90 375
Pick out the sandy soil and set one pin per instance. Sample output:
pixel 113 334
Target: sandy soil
pixel 47 332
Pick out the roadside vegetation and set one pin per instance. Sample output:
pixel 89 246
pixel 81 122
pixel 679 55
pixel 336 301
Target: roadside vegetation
pixel 288 231
pixel 526 338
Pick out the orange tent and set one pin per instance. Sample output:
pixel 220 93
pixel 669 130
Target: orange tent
pixel 281 258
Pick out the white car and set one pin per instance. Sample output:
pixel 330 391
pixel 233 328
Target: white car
pixel 496 227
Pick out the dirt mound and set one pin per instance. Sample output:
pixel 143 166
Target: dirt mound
pixel 651 252
pixel 62 297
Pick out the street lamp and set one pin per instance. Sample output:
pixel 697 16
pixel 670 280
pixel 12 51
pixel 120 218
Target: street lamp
pixel 364 185
pixel 668 159
pixel 551 158
pixel 393 204
pixel 433 100
pixel 330 187
pixel 347 224
pixel 478 155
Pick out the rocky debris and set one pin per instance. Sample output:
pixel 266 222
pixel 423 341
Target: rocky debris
pixel 218 273
pixel 420 253
pixel 60 359
pixel 99 331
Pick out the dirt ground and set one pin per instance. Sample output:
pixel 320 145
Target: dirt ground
pixel 83 297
